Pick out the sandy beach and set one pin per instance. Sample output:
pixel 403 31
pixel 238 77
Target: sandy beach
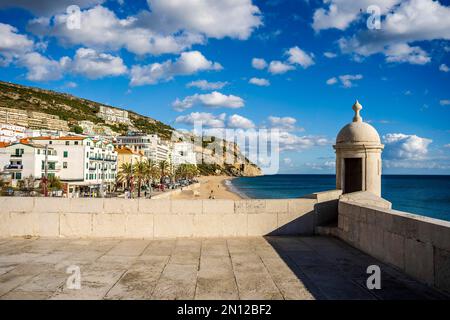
pixel 214 183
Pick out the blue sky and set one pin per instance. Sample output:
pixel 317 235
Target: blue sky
pixel 318 58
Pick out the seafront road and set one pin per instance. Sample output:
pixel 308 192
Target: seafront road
pixel 217 268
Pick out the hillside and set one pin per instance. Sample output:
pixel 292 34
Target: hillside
pixel 74 110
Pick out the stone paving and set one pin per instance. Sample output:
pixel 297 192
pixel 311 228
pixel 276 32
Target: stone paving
pixel 235 268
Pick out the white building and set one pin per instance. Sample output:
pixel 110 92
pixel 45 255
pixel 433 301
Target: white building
pixel 87 166
pixel 183 153
pixel 28 159
pixel 10 133
pixel 113 115
pixel 150 145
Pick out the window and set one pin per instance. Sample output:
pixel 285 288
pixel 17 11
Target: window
pixel 66 154
pixel 50 142
pixel 87 176
pixel 76 143
pixel 67 143
pixel 18 175
pixel 65 165
pixel 38 151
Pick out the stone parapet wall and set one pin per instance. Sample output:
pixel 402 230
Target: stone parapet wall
pixel 153 218
pixel 418 245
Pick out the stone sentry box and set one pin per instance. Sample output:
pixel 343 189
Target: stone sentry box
pixel 358 156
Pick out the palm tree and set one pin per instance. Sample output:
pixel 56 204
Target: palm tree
pixel 163 166
pixel 152 170
pixel 125 173
pixel 140 172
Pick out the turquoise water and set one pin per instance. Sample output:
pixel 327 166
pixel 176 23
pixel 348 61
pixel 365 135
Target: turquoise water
pixel 424 195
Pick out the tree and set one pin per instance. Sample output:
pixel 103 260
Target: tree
pixel 77 129
pixel 140 173
pixel 186 171
pixel 54 183
pixel 163 167
pixel 152 170
pixel 125 174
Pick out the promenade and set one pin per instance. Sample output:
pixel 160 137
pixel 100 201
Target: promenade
pixel 215 268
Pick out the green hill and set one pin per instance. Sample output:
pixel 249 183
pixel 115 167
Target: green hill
pixel 71 108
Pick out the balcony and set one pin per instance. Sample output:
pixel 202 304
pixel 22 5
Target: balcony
pixel 16 155
pixel 14 167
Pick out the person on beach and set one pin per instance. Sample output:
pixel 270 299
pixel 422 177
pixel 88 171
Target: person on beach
pixel 211 195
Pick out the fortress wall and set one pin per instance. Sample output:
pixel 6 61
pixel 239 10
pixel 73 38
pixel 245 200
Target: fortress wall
pixel 418 245
pixel 155 218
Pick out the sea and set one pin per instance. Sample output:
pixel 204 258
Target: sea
pixel 427 195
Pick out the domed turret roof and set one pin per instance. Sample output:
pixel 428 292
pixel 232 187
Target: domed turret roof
pixel 358 131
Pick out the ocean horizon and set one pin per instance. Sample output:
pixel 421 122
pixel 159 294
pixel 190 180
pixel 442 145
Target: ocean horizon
pixel 427 195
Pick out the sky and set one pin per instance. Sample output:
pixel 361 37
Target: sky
pixel 293 65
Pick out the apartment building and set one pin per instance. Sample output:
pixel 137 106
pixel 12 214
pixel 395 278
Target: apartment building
pixel 21 160
pixel 32 119
pixel 113 115
pixel 183 153
pixel 87 166
pixel 10 133
pixel 149 144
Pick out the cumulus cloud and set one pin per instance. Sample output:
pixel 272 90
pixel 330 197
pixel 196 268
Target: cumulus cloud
pixel 95 65
pixel 278 67
pixel 405 147
pixel 41 68
pixel 171 26
pixel 216 19
pixel 188 63
pixel 444 102
pixel 203 118
pixel 282 123
pixel 292 142
pixel 300 57
pixel 214 99
pixel 206 85
pixel 259 82
pixel 444 68
pixel 339 14
pixel 259 63
pixel 239 122
pixel 12 43
pixel 103 30
pixel 408 22
pixel 347 80
pixel 327 165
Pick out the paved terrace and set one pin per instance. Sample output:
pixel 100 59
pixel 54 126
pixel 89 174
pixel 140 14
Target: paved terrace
pixel 235 268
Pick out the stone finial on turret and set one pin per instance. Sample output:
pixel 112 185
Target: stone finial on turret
pixel 357 108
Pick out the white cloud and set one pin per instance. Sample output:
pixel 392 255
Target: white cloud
pixel 287 161
pixel 327 165
pixel 171 26
pixel 203 118
pixel 444 102
pixel 332 81
pixel 298 56
pixel 259 82
pixel 340 14
pixel 188 63
pixel 259 64
pixel 278 67
pixel 292 142
pixel 41 68
pixel 12 43
pixel 346 80
pixel 402 52
pixel 216 19
pixel 206 85
pixel 96 65
pixel 103 30
pixel 409 22
pixel 330 55
pixel 282 123
pixel 239 122
pixel 214 100
pixel 444 68
pixel 70 84
pixel 447 145
pixel 406 147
